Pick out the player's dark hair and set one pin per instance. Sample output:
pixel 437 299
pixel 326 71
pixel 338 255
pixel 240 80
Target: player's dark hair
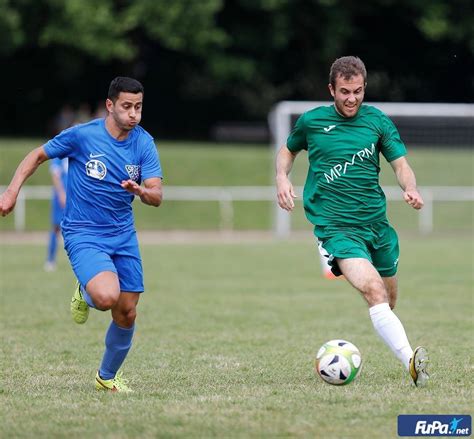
pixel 347 66
pixel 123 84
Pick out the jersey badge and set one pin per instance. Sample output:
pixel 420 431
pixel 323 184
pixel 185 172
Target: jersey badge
pixel 133 172
pixel 329 128
pixel 96 169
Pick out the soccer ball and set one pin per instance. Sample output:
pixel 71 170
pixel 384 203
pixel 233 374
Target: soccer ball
pixel 338 362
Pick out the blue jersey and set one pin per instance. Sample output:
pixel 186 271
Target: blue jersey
pixel 98 163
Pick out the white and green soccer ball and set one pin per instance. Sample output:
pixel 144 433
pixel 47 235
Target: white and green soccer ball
pixel 338 362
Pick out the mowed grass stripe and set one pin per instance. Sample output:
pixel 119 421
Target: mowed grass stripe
pixel 225 342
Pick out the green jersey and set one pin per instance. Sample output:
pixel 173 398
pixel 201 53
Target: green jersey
pixel 342 185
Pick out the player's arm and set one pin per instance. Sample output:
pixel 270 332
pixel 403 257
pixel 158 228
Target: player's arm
pixel 407 181
pixel 285 191
pixel 150 193
pixel 26 168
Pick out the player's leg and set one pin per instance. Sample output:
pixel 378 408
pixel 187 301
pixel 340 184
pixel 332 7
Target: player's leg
pixel 56 216
pixel 103 290
pixel 362 275
pixel 98 285
pixel 50 263
pixel 124 312
pixel 118 340
pixel 391 285
pixel 385 256
pixel 348 250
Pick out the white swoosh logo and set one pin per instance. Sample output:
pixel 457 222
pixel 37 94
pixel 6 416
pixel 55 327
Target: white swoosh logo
pixel 94 156
pixel 329 128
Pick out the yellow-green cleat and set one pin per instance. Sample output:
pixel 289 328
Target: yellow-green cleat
pixel 79 307
pixel 117 384
pixel 418 367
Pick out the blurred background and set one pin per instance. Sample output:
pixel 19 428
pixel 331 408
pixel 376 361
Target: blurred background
pixel 214 69
pixel 212 62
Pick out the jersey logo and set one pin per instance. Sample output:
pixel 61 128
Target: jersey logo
pixel 96 169
pixel 94 156
pixel 133 172
pixel 329 128
pixel 342 168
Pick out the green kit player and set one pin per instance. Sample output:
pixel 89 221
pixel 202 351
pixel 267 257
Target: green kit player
pixel 345 203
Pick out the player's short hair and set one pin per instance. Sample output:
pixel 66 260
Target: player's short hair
pixel 347 66
pixel 123 84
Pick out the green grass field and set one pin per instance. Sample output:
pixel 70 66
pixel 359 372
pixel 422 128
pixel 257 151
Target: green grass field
pixel 225 343
pixel 207 164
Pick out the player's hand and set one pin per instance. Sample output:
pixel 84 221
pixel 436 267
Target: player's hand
pixel 7 202
pixel 285 193
pixel 132 186
pixel 413 198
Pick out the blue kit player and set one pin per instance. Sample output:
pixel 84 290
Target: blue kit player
pixel 111 161
pixel 58 169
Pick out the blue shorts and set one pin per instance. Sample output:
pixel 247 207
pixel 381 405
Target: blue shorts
pixel 91 254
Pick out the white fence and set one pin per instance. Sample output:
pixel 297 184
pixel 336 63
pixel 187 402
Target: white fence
pixel 226 195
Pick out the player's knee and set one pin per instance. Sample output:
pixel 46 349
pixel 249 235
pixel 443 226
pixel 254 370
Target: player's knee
pixel 127 316
pixel 376 292
pixel 105 301
pixel 131 316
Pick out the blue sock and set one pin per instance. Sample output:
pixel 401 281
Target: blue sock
pixel 87 297
pixel 52 245
pixel 117 344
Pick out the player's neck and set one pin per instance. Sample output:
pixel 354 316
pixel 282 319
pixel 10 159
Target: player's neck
pixel 343 115
pixel 114 130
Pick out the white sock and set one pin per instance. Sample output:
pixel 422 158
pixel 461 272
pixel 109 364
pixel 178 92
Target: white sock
pixel 389 327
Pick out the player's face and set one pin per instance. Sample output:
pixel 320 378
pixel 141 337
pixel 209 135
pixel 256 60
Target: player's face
pixel 127 110
pixel 348 94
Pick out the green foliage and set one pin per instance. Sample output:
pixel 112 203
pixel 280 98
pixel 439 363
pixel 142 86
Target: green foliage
pixel 441 20
pixel 106 29
pixel 225 344
pixel 90 26
pixel 220 60
pixel 12 35
pixel 179 25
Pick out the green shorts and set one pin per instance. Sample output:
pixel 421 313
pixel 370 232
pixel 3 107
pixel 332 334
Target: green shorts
pixel 376 242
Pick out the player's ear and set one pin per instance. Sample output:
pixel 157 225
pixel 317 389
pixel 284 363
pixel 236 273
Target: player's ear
pixel 109 105
pixel 331 89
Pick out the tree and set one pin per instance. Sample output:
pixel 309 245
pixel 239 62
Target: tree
pixel 106 29
pixel 235 57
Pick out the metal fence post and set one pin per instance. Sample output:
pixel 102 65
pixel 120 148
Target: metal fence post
pixel 426 214
pixel 20 212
